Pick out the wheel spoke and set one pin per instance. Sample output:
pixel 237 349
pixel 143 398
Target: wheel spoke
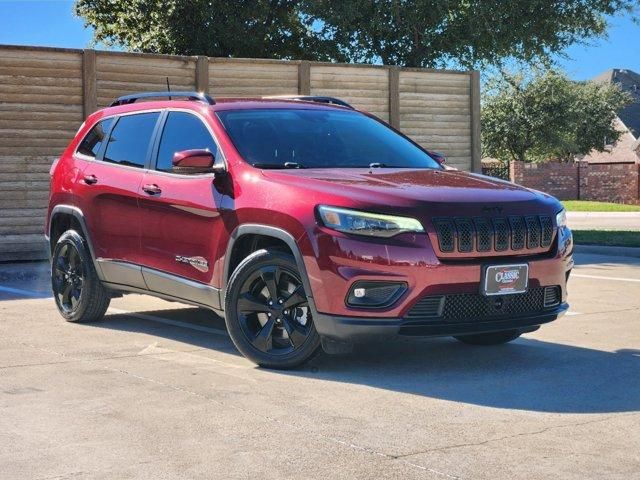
pixel 58 283
pixel 66 293
pixel 296 298
pixel 74 258
pixel 248 303
pixel 61 263
pixel 264 339
pixel 296 335
pixel 270 279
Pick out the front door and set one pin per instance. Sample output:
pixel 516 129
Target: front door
pixel 180 222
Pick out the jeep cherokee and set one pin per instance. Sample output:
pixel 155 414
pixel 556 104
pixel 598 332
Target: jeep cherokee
pixel 302 221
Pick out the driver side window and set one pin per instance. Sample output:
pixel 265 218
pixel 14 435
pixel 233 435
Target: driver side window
pixel 182 131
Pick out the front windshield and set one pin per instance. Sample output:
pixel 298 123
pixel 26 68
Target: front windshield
pixel 280 138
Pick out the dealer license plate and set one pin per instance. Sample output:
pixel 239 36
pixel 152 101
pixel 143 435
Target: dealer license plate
pixel 505 279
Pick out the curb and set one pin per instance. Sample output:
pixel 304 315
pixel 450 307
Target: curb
pixel 605 250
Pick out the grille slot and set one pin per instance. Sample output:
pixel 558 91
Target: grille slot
pixel 427 307
pixel 473 307
pixel 465 231
pixel 546 231
pixel 502 234
pixel 533 231
pixel 552 296
pixel 466 235
pixel 446 234
pixel 484 234
pixel 518 232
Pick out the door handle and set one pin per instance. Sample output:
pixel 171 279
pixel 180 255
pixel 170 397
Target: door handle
pixel 90 179
pixel 152 189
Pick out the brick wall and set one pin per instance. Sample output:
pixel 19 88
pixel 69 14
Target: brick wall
pixel 605 182
pixel 554 178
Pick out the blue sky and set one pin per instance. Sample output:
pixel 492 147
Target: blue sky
pixel 52 23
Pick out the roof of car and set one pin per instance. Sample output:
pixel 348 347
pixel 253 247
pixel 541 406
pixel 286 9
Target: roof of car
pixel 229 103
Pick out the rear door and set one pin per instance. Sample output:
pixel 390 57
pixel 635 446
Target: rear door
pixel 180 222
pixel 109 193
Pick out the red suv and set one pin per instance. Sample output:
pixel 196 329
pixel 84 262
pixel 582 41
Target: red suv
pixel 302 221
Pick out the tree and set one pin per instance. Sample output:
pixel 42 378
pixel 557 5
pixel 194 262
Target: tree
pixel 546 116
pixel 414 33
pixel 217 28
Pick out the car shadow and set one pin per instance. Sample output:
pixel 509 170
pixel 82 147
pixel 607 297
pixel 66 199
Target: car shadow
pixel 527 374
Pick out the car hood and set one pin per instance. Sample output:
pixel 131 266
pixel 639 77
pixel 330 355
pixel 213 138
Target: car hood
pixel 408 187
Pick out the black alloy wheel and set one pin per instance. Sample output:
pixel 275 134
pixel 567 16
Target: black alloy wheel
pixel 77 290
pixel 67 278
pixel 273 310
pixel 267 311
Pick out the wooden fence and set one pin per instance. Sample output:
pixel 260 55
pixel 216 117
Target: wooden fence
pixel 45 94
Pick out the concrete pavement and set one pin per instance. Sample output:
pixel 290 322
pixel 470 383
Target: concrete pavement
pixel 157 390
pixel 604 220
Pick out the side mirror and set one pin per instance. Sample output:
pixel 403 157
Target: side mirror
pixel 195 161
pixel 438 157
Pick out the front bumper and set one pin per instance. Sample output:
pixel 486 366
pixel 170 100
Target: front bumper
pixel 354 329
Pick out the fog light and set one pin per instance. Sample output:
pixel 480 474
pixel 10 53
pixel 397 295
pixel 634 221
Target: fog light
pixel 375 294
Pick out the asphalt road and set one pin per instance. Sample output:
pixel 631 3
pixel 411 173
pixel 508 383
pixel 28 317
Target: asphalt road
pixel 604 220
pixel 157 391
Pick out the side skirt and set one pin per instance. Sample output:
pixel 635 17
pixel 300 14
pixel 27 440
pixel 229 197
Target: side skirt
pixel 127 277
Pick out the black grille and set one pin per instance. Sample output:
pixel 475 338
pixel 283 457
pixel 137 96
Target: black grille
pixel 466 307
pixel 480 234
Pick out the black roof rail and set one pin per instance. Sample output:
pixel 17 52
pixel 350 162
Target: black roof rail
pixel 313 98
pixel 195 96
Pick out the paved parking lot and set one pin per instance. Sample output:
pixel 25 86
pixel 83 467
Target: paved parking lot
pixel 156 390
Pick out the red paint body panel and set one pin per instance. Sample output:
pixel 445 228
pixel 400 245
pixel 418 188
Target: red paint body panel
pixel 197 215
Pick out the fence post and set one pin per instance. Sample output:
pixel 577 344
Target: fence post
pixel 394 97
pixel 89 87
pixel 202 74
pixel 304 78
pixel 476 146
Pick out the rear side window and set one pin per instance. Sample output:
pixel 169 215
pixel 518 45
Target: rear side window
pixel 129 139
pixel 182 131
pixel 90 145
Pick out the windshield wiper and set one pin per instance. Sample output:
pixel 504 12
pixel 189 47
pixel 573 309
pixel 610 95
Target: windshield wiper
pixel 276 166
pixel 293 165
pixel 377 165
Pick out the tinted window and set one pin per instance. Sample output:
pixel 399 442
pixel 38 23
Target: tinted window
pixel 319 139
pixel 129 140
pixel 90 145
pixel 182 131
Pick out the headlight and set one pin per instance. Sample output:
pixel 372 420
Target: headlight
pixel 561 218
pixel 364 223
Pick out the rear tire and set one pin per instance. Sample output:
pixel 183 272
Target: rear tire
pixel 77 290
pixel 493 338
pixel 267 312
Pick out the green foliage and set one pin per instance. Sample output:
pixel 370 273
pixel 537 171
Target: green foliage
pixel 546 116
pixel 414 33
pixel 243 28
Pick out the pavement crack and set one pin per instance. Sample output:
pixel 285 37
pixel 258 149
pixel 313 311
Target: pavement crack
pixel 516 435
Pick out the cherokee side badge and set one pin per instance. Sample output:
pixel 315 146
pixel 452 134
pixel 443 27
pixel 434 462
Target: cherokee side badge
pixel 199 263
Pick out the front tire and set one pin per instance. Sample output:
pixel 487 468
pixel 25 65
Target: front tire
pixel 267 312
pixel 77 290
pixel 493 338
